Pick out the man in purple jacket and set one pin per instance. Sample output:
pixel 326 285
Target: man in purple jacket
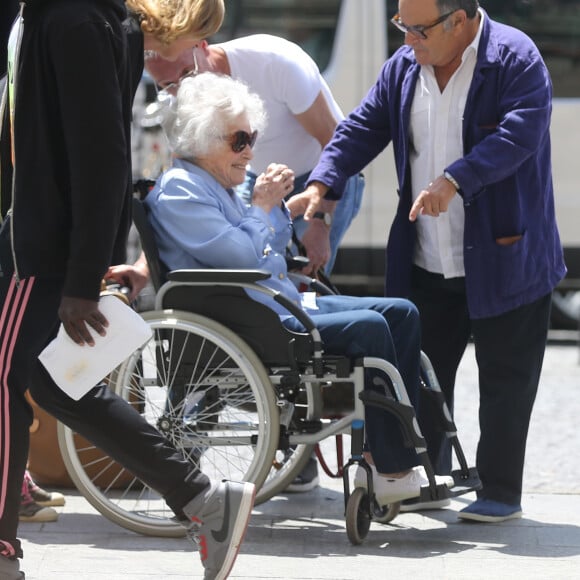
pixel 474 243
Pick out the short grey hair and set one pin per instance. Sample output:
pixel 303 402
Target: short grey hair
pixel 470 6
pixel 204 108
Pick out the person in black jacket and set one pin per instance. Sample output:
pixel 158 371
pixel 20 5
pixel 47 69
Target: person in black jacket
pixel 65 192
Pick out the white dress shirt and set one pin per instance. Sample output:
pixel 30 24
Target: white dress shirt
pixel 436 142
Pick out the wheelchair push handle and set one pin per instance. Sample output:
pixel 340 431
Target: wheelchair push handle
pixel 109 288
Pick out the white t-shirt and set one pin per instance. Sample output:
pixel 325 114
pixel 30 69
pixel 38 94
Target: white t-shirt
pixel 288 81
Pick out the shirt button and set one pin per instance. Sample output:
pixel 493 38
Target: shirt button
pixel 281 276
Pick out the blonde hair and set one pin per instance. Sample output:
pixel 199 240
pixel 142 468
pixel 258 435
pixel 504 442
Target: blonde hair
pixel 168 20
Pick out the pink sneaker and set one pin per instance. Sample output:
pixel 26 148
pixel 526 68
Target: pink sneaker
pixel 41 496
pixel 30 511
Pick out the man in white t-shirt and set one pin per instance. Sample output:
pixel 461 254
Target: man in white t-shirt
pixel 302 116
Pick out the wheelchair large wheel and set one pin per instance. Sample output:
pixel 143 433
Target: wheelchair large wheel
pixel 207 392
pixel 289 462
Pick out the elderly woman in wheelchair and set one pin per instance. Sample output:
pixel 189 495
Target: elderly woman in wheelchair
pixel 199 223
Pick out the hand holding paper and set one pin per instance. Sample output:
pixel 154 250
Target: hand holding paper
pixel 77 369
pixel 78 315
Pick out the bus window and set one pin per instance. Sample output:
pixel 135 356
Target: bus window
pixel 312 25
pixel 554 26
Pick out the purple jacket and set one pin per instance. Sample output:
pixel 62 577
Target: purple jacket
pixel 505 174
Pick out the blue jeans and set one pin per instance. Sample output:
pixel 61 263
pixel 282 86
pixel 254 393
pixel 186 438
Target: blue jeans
pixel 386 328
pixel 346 209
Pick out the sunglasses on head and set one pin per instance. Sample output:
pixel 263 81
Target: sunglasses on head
pixel 240 139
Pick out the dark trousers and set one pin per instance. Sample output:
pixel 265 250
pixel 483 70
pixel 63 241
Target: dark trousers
pixel 28 321
pixel 509 350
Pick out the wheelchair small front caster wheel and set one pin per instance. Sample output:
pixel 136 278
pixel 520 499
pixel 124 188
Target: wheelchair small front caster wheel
pixel 358 519
pixel 388 513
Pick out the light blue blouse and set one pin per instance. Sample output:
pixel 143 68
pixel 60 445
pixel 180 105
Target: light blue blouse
pixel 199 224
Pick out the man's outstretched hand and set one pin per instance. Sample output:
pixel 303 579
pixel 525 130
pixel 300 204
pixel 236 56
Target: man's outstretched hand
pixel 434 199
pixel 308 202
pixel 316 237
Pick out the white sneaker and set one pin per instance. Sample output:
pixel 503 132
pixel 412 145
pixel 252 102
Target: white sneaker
pixel 390 490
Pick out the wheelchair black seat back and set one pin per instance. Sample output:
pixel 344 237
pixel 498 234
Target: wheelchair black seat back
pixel 157 269
pixel 252 321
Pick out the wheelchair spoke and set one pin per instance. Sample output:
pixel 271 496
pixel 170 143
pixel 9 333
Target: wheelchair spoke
pixel 205 390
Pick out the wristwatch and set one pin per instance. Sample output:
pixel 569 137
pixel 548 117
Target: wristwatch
pixel 325 217
pixel 451 180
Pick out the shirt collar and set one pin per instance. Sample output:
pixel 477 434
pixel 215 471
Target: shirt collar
pixel 473 46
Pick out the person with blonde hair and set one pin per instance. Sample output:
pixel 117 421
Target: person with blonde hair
pixel 170 26
pixel 66 179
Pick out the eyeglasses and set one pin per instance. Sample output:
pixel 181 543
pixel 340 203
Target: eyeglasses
pixel 419 31
pixel 173 86
pixel 240 139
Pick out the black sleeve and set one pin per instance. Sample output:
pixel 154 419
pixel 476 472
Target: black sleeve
pixel 90 63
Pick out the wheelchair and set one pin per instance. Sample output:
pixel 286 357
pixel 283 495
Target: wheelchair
pixel 241 396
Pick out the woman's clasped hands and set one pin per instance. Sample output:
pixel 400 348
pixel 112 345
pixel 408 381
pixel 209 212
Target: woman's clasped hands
pixel 273 186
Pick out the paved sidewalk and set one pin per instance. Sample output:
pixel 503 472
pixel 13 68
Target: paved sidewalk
pixel 302 536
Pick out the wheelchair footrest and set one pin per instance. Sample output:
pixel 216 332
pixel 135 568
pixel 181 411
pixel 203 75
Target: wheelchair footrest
pixel 465 481
pixel 435 493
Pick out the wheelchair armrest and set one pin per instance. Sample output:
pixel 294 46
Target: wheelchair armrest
pixel 219 294
pixel 218 276
pixel 297 263
pixel 310 283
pixel 243 278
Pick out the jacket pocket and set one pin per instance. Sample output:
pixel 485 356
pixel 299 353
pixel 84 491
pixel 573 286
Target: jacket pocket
pixel 515 263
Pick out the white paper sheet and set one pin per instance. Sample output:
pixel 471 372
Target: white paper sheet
pixel 77 369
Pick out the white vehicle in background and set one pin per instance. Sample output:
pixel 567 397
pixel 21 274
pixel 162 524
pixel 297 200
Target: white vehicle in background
pixel 350 40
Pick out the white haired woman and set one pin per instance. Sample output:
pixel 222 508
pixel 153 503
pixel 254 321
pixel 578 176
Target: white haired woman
pixel 199 222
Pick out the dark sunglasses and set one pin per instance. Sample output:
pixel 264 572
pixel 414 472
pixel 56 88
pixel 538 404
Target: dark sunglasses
pixel 240 139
